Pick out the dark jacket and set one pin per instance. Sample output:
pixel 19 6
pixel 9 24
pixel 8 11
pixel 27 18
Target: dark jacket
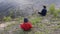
pixel 43 12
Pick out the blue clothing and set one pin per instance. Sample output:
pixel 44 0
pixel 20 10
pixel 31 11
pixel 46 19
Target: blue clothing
pixel 43 12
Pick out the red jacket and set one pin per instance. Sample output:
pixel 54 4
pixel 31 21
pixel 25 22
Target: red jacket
pixel 26 26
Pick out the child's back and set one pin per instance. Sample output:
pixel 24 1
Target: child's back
pixel 26 25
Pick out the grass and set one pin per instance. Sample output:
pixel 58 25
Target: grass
pixel 55 27
pixel 38 32
pixel 9 26
pixel 47 31
pixel 52 8
pixel 19 20
pixel 40 25
pixel 35 20
pixel 53 11
pixel 6 19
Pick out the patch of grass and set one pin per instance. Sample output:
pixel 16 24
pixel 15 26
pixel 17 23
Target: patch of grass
pixel 58 23
pixel 7 19
pixel 55 27
pixel 9 26
pixel 12 24
pixel 47 23
pixel 53 11
pixel 55 14
pixel 38 32
pixel 35 20
pixel 20 20
pixel 52 8
pixel 54 19
pixel 41 25
pixel 47 31
pixel 58 10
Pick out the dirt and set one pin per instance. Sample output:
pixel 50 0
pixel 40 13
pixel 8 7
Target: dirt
pixel 47 27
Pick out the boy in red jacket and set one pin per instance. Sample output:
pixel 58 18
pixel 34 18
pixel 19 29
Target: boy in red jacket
pixel 26 25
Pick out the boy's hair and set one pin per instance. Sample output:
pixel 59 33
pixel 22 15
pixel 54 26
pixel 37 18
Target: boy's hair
pixel 44 6
pixel 25 20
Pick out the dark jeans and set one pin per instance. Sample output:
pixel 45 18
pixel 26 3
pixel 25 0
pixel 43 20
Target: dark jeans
pixel 42 14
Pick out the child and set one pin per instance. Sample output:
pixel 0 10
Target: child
pixel 26 25
pixel 43 12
